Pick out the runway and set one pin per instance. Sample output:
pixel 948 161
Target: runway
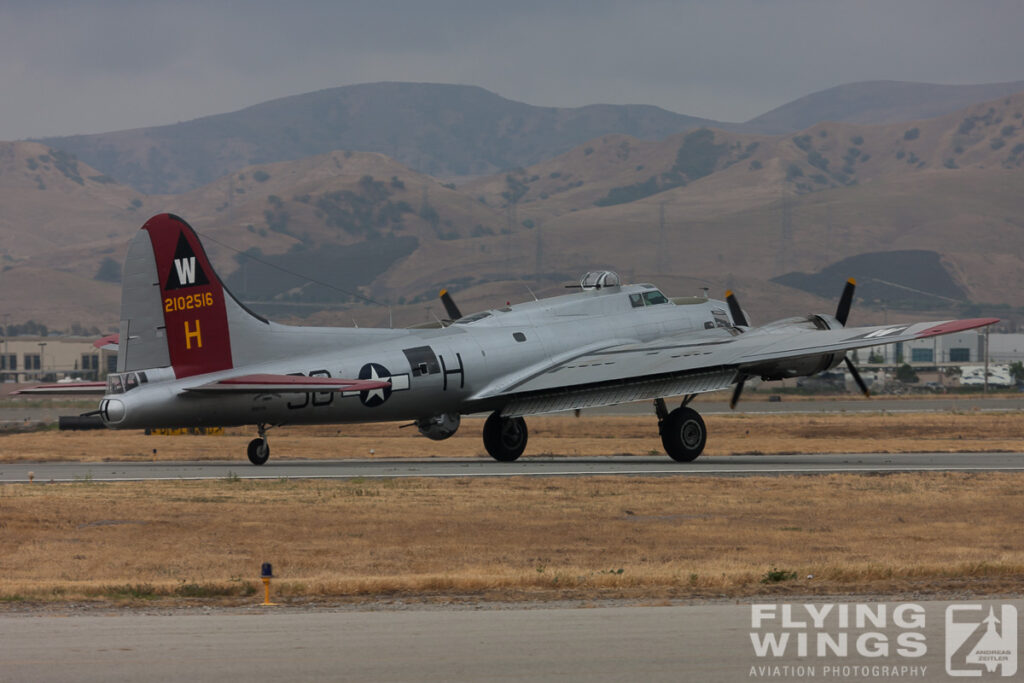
pixel 831 404
pixel 706 642
pixel 730 466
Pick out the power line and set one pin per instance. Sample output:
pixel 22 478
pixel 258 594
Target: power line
pixel 292 273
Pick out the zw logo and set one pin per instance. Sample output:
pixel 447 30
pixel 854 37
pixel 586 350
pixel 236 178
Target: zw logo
pixel 978 640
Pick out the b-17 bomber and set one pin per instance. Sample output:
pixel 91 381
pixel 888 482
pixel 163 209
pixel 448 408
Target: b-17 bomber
pixel 190 354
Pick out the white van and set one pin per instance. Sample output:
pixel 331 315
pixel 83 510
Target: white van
pixel 974 376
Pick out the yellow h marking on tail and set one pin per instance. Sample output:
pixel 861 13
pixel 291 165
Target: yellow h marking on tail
pixel 193 334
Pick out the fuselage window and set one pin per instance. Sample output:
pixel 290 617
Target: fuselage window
pixel 654 298
pixel 636 300
pixel 519 336
pixel 422 361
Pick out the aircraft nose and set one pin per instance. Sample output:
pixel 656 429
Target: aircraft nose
pixel 112 410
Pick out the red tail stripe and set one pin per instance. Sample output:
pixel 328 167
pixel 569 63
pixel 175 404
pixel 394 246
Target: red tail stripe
pixel 195 317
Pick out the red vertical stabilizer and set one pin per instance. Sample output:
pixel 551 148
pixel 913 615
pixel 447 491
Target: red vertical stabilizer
pixel 192 297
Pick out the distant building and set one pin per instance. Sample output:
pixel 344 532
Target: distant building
pixel 38 359
pixel 951 349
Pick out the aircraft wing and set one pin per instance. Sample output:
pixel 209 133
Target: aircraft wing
pixel 686 363
pixel 265 384
pixel 815 342
pixel 66 388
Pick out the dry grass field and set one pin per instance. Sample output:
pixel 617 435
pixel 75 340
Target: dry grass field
pixel 519 538
pixel 515 539
pixel 564 436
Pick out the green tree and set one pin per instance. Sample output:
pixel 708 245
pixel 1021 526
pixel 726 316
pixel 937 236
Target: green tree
pixel 1017 371
pixel 906 374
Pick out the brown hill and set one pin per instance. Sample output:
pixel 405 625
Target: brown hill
pixel 740 210
pixel 706 208
pixel 444 130
pixel 877 102
pixel 59 220
pixel 458 131
pixel 33 179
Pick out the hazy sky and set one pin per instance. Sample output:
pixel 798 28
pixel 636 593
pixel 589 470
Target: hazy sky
pixel 81 67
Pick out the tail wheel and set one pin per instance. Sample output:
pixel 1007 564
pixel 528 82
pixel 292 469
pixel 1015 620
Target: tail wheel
pixel 505 437
pixel 683 434
pixel 259 451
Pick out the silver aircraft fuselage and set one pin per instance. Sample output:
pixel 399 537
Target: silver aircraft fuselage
pixel 433 372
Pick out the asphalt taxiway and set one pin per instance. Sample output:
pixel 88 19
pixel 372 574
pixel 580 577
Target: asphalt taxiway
pixel 706 642
pixel 831 404
pixel 736 466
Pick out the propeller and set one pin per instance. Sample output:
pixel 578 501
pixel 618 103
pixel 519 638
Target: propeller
pixel 842 314
pixel 737 391
pixel 738 318
pixel 449 305
pixel 856 376
pixel 845 301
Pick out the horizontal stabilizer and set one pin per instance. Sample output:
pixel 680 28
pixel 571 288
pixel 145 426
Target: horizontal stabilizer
pixel 99 388
pixel 263 384
pixel 108 343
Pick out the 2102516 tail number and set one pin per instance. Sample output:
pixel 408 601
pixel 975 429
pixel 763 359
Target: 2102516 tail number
pixel 188 302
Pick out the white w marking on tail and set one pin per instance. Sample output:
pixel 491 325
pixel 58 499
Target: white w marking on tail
pixel 186 270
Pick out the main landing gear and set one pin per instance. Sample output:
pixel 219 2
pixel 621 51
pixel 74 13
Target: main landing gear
pixel 682 430
pixel 259 448
pixel 683 433
pixel 505 437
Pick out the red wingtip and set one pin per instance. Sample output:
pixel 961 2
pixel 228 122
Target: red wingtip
pixel 956 326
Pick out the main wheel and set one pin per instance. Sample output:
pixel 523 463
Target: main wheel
pixel 683 434
pixel 259 451
pixel 505 437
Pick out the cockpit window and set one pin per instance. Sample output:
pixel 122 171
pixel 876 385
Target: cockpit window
pixel 636 300
pixel 114 385
pixel 654 297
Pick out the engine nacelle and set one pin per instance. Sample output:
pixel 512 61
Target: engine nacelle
pixel 799 367
pixel 439 427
